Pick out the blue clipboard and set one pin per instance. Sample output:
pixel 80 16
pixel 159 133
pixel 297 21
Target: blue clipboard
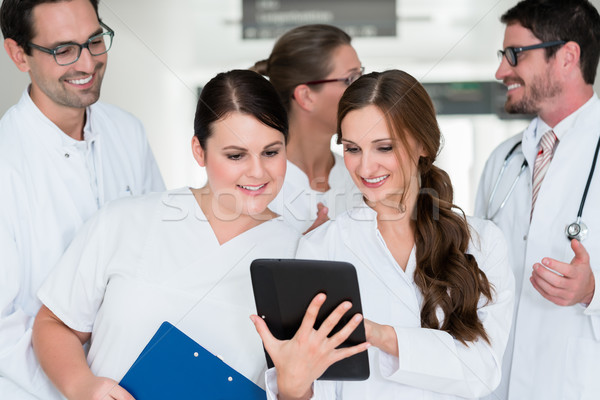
pixel 174 366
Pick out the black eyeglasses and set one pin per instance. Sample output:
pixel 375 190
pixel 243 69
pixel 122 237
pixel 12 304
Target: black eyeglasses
pixel 347 80
pixel 69 53
pixel 511 52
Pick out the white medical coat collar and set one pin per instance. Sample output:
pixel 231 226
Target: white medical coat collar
pixel 536 129
pixel 564 126
pixel 58 139
pixel 362 212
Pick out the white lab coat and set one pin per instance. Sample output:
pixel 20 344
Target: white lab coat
pixel 51 184
pixel 431 365
pixel 297 202
pixel 155 258
pixel 554 352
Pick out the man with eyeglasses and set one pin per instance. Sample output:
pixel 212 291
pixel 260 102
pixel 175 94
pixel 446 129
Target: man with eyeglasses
pixel 542 189
pixel 62 156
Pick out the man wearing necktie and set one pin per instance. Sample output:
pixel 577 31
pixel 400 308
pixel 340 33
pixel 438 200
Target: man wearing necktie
pixel 548 63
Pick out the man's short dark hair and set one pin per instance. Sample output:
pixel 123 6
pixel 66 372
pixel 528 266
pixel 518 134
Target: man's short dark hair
pixel 569 20
pixel 16 19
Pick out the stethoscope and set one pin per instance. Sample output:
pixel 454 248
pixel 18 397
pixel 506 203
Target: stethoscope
pixel 509 156
pixel 575 230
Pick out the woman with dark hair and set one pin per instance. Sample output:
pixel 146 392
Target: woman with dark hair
pixel 436 287
pixel 310 67
pixel 182 256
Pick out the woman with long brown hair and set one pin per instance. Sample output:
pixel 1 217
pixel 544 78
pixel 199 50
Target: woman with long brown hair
pixel 436 287
pixel 310 67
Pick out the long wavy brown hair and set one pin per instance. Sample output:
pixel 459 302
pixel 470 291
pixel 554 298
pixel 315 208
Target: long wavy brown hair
pixel 449 279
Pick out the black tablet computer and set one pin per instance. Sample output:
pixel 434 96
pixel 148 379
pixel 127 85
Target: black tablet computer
pixel 283 289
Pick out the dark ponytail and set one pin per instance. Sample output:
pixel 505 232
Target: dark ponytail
pixel 261 67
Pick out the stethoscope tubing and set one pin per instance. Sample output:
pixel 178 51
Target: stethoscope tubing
pixel 581 227
pixel 507 159
pixel 589 181
pixel 578 230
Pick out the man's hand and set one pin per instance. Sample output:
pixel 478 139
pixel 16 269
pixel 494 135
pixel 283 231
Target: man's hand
pixel 576 285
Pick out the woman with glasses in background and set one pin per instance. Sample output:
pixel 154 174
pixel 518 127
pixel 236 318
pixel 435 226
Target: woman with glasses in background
pixel 310 67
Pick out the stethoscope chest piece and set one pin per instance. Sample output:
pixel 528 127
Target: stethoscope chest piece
pixel 576 230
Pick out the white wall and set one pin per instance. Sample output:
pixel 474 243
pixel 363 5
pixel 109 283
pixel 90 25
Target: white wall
pixel 164 50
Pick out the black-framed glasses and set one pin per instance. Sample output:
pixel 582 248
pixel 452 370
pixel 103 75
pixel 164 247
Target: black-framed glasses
pixel 347 80
pixel 69 53
pixel 511 52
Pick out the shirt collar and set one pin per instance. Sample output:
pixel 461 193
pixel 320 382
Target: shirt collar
pixel 564 126
pixel 89 134
pixel 57 138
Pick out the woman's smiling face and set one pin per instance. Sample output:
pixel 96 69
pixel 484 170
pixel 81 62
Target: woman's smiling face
pixel 379 164
pixel 245 164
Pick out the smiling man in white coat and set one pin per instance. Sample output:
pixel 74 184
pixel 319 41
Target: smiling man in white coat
pixel 540 186
pixel 62 156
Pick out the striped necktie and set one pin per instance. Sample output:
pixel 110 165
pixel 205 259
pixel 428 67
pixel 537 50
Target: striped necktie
pixel 542 163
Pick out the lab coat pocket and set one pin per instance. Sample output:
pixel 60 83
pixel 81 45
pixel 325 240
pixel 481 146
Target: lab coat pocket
pixel 581 370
